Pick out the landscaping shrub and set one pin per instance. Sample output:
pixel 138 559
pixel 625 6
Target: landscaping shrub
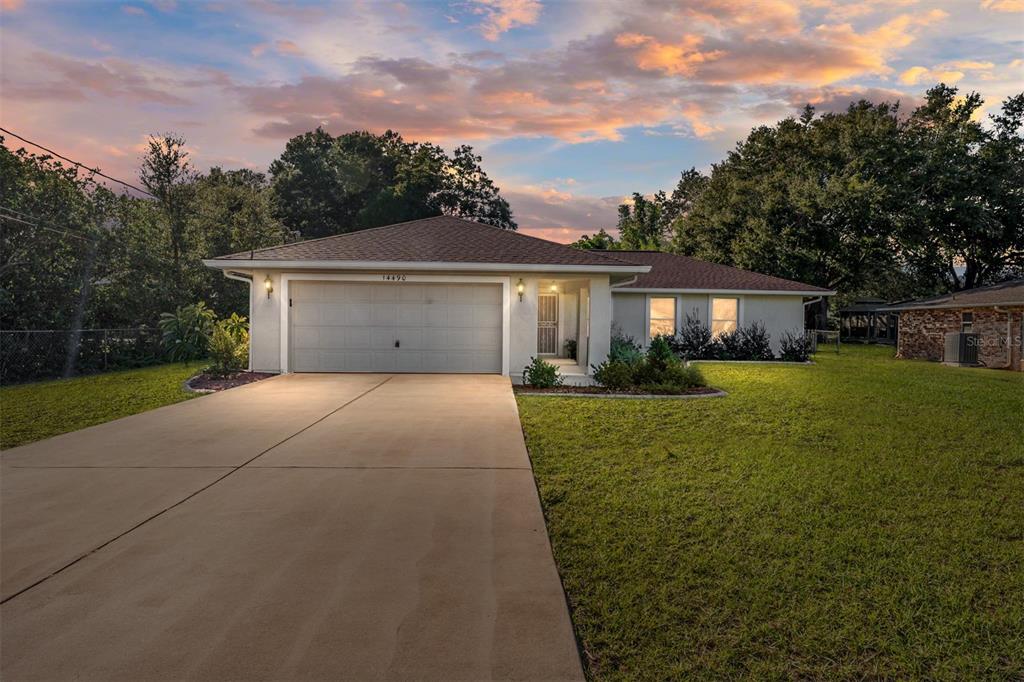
pixel 623 347
pixel 795 347
pixel 730 346
pixel 657 371
pixel 229 346
pixel 541 374
pixel 615 375
pixel 186 332
pixel 694 341
pixel 754 342
pixel 570 348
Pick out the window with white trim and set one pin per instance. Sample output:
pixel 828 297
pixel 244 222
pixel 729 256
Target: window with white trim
pixel 725 315
pixel 662 317
pixel 966 322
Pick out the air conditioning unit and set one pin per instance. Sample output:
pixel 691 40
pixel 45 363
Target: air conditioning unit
pixel 961 349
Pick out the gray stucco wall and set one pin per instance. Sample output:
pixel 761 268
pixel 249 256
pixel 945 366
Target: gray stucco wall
pixel 778 314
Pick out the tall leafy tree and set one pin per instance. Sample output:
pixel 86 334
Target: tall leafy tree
pixel 325 185
pixel 168 174
pixel 967 187
pixel 815 199
pixel 641 223
pixel 600 240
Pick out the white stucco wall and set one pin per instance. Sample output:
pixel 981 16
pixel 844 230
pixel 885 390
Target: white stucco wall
pixel 265 315
pixel 778 314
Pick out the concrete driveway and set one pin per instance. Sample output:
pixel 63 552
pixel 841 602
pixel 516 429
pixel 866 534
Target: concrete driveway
pixel 304 527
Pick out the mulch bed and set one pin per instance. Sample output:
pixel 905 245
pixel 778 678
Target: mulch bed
pixel 206 383
pixel 598 390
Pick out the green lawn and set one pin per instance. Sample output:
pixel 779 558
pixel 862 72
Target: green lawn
pixel 859 518
pixel 31 412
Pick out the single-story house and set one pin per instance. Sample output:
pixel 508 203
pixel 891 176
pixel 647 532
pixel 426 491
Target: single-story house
pixel 451 295
pixel 995 313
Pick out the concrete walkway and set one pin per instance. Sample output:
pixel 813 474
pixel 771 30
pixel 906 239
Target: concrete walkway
pixel 304 527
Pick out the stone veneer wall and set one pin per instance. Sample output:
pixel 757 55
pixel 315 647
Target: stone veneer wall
pixel 922 334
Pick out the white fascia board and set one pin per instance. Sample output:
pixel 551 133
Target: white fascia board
pixel 749 292
pixel 416 266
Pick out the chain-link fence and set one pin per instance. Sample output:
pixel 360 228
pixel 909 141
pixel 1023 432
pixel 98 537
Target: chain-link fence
pixel 28 355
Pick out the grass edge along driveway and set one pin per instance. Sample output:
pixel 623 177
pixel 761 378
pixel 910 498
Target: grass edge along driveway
pixel 31 412
pixel 861 517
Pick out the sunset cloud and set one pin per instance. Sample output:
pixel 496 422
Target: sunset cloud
pixel 504 15
pixel 541 89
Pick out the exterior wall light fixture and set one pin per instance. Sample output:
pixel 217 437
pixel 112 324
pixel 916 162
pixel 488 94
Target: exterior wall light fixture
pixel 520 288
pixel 268 284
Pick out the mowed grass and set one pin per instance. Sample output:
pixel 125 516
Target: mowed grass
pixel 859 518
pixel 31 412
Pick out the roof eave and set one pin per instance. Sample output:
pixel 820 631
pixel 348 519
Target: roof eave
pixel 235 264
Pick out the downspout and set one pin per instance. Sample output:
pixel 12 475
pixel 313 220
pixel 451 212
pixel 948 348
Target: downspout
pixel 248 280
pixel 1009 335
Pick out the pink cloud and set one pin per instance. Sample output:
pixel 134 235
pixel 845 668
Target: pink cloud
pixel 504 15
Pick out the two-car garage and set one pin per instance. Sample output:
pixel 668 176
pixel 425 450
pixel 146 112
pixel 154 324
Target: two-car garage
pixel 394 326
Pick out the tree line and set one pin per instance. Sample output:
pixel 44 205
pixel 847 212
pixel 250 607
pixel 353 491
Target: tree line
pixel 74 253
pixel 868 201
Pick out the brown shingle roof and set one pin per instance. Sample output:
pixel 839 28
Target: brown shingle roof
pixel 1006 293
pixel 441 239
pixel 670 271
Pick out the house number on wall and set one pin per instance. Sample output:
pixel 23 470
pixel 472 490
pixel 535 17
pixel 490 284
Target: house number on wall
pixel 393 278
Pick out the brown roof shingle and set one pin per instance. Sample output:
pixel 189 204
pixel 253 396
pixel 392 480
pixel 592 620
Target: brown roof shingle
pixel 671 271
pixel 441 239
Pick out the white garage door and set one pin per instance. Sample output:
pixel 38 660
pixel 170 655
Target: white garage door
pixel 395 327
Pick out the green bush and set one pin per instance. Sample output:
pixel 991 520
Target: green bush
pixel 541 374
pixel 615 375
pixel 657 371
pixel 229 346
pixel 754 342
pixel 623 347
pixel 186 332
pixel 795 347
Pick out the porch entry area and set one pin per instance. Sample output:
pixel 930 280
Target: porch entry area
pixel 563 324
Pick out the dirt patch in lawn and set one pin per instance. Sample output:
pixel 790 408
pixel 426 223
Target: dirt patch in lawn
pixel 598 390
pixel 207 383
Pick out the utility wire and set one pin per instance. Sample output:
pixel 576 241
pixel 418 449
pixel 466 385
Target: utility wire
pixel 56 230
pixel 95 171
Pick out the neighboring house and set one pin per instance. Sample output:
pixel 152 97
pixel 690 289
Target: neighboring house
pixel 995 313
pixel 450 295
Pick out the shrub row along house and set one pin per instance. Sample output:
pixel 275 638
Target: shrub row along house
pixel 450 295
pixel 995 313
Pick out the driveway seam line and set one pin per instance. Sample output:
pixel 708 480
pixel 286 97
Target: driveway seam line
pixel 191 495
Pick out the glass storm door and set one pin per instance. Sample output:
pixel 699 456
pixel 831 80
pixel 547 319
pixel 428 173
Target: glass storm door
pixel 547 324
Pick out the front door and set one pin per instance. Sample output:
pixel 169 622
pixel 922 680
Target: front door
pixel 547 324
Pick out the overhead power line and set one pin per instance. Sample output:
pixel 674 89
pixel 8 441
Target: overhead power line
pixel 35 222
pixel 95 171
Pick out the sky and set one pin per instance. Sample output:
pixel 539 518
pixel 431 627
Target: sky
pixel 573 105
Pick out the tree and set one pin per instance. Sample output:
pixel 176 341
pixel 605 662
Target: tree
pixel 168 175
pixel 815 199
pixel 641 224
pixel 324 185
pixel 232 211
pixel 49 227
pixel 967 187
pixel 600 240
